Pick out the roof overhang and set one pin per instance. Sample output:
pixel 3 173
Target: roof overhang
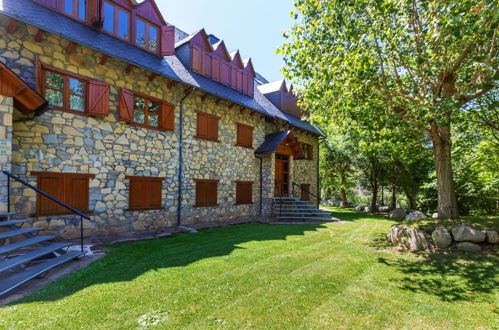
pixel 283 143
pixel 26 99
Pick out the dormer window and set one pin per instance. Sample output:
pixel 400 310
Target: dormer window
pixel 147 35
pixel 76 8
pixel 116 20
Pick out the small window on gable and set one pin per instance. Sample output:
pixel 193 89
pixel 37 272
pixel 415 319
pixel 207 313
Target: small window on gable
pixel 147 35
pixel 116 20
pixel 244 192
pixel 206 193
pixel 207 126
pixel 244 136
pixel 76 8
pixel 145 193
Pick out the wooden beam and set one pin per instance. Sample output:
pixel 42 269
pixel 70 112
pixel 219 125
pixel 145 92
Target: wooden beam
pixel 70 47
pixel 231 105
pixel 204 97
pixel 171 84
pixel 241 110
pixel 21 90
pixel 39 35
pixel 128 68
pixel 11 29
pixel 152 77
pixel 103 59
pixel 218 101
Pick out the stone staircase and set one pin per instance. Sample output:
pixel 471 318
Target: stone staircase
pixel 24 256
pixel 294 209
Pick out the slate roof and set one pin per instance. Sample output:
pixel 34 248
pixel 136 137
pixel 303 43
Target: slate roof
pixel 41 17
pixel 271 142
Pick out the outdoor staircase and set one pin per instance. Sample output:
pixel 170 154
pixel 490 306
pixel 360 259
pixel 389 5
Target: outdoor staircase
pixel 294 209
pixel 24 256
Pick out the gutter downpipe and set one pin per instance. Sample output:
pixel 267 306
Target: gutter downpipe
pixel 180 155
pixel 261 185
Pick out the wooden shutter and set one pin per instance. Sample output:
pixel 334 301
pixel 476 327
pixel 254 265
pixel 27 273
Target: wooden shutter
pixel 310 152
pixel 212 193
pixel 76 191
pixel 201 188
pixel 206 192
pixel 251 86
pixel 126 105
pixel 225 73
pixel 245 83
pixel 212 128
pixel 98 98
pixel 207 59
pixel 154 192
pixel 53 185
pixel 167 40
pixel 202 126
pixel 233 77
pixel 215 68
pixel 39 76
pixel 137 199
pixel 93 12
pixel 197 59
pixel 244 192
pixel 244 135
pixel 305 188
pixel 239 80
pixel 167 116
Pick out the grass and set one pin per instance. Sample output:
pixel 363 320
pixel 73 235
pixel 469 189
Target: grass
pixel 335 275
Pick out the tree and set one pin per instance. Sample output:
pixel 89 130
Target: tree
pixel 336 164
pixel 422 61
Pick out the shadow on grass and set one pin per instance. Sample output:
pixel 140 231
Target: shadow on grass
pixel 125 262
pixel 452 277
pixel 352 215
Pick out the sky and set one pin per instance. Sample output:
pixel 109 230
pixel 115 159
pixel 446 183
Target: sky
pixel 254 27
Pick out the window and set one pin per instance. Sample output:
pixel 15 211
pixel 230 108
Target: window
pixel 145 193
pixel 147 35
pixel 244 136
pixel 307 151
pixel 305 192
pixel 244 192
pixel 69 188
pixel 76 8
pixel 116 20
pixel 72 93
pixel 206 192
pixel 144 111
pixel 207 126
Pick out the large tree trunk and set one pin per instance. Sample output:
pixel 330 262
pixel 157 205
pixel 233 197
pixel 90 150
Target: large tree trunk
pixel 447 203
pixel 343 194
pixel 412 200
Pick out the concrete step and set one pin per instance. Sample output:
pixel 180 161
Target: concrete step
pixel 23 231
pixel 31 255
pixel 24 243
pixel 13 222
pixel 7 214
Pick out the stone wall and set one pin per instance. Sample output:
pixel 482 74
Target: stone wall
pixel 305 171
pixel 111 149
pixel 6 110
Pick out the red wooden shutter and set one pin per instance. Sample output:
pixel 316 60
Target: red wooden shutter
pixel 244 192
pixel 126 105
pixel 93 12
pixel 167 40
pixel 98 98
pixel 202 129
pixel 137 198
pixel 215 68
pixel 197 59
pixel 244 135
pixel 212 128
pixel 200 193
pixel 154 190
pixel 168 116
pixel 76 190
pixel 212 191
pixel 207 58
pixel 225 73
pixel 39 76
pixel 52 184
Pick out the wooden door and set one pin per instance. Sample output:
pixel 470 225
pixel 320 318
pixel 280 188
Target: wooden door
pixel 281 176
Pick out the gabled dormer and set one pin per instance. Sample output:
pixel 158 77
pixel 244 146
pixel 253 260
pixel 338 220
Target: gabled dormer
pixel 282 96
pixel 208 56
pixel 139 23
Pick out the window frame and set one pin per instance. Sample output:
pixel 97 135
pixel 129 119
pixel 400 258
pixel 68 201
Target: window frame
pixel 201 113
pixel 146 111
pixel 147 40
pixel 244 202
pixel 238 142
pixel 76 9
pixel 66 92
pixel 147 180
pixel 65 176
pixel 117 7
pixel 207 203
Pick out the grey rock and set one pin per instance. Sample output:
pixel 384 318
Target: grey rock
pixel 441 237
pixel 466 233
pixel 417 240
pixel 468 247
pixel 396 234
pixel 415 215
pixel 434 215
pixel 397 214
pixel 359 208
pixel 492 237
pixel 385 209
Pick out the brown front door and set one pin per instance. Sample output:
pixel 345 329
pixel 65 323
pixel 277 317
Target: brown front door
pixel 281 175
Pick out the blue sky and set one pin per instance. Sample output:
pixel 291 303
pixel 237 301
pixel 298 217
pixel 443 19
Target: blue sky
pixel 253 26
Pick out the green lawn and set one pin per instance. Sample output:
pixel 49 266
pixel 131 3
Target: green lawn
pixel 336 275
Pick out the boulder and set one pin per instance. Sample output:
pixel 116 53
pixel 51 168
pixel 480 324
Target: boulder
pixel 468 247
pixel 396 234
pixel 441 237
pixel 359 208
pixel 368 209
pixel 492 237
pixel 397 214
pixel 385 209
pixel 344 205
pixel 467 233
pixel 434 215
pixel 417 240
pixel 415 215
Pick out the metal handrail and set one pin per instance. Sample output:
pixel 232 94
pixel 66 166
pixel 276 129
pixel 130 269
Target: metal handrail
pixel 301 188
pixel 72 209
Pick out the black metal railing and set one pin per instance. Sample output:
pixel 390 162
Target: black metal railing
pixel 303 189
pixel 72 209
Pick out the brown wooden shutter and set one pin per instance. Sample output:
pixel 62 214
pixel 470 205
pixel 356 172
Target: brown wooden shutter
pixel 244 135
pixel 207 62
pixel 39 76
pixel 168 116
pixel 52 184
pixel 212 128
pixel 137 193
pixel 244 192
pixel 212 194
pixel 76 190
pixel 167 40
pixel 154 192
pixel 200 193
pixel 197 59
pixel 93 12
pixel 202 126
pixel 126 105
pixel 225 73
pixel 215 68
pixel 98 98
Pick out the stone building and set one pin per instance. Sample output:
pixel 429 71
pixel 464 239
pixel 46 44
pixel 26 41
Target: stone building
pixel 112 110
